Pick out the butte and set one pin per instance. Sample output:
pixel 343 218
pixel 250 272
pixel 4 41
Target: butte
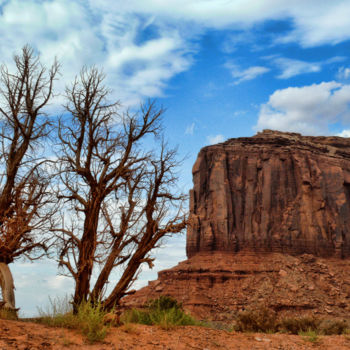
pixel 269 225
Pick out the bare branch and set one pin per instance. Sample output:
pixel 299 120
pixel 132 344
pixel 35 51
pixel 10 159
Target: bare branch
pixel 123 196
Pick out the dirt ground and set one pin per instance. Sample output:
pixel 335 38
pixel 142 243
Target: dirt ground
pixel 30 336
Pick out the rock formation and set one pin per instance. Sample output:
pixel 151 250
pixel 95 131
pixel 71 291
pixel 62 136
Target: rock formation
pixel 275 192
pixel 269 225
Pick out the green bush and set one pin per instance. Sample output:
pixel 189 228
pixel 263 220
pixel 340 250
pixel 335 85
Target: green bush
pixel 171 317
pixel 260 320
pixel 136 316
pixel 89 319
pixel 164 311
pixel 164 302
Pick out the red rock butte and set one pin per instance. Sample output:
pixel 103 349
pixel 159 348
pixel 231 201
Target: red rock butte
pixel 273 192
pixel 269 225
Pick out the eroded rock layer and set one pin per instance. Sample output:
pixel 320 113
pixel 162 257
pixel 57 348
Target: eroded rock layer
pixel 216 286
pixel 274 192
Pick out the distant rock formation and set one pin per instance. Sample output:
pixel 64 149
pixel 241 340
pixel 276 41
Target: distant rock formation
pixel 274 192
pixel 269 220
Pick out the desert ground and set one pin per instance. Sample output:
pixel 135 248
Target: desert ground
pixel 30 336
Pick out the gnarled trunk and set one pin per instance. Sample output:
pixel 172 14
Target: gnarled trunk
pixel 7 287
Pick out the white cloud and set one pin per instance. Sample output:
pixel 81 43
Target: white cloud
pixel 233 41
pixel 344 133
pixel 212 140
pixel 308 109
pixel 37 281
pixel 313 23
pixel 317 24
pixel 190 129
pixel 111 35
pixel 291 67
pixel 79 34
pixel 343 73
pixel 245 74
pixel 59 282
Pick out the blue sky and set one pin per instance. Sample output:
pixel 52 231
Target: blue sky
pixel 221 68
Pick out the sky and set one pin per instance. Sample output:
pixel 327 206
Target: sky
pixel 221 68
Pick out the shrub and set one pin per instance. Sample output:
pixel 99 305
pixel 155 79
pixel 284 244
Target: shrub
pixel 89 319
pixel 297 325
pixel 171 317
pixel 164 311
pixel 260 320
pixel 264 320
pixel 330 327
pixel 164 302
pixel 136 316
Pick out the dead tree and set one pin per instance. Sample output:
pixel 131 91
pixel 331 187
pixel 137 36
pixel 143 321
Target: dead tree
pixel 121 196
pixel 24 195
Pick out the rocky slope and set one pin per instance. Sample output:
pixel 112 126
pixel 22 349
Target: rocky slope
pixel 216 286
pixel 269 226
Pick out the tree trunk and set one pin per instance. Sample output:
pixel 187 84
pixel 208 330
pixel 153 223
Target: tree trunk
pixel 86 256
pixel 7 287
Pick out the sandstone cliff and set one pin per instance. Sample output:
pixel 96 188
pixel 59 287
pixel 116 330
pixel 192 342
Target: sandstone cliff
pixel 275 192
pixel 269 220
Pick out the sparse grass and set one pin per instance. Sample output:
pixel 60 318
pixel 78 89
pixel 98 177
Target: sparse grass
pixel 310 336
pixel 89 320
pixel 59 313
pixel 164 311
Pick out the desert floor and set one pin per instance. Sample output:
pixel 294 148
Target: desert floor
pixel 30 336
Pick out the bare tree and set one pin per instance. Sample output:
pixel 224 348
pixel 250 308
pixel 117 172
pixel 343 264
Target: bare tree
pixel 121 196
pixel 24 195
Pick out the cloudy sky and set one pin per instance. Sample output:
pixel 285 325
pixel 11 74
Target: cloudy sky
pixel 221 68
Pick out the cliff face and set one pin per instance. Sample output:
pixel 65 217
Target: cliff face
pixel 274 192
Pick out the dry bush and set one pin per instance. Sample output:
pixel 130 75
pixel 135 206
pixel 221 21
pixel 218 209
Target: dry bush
pixel 299 324
pixel 330 327
pixel 261 319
